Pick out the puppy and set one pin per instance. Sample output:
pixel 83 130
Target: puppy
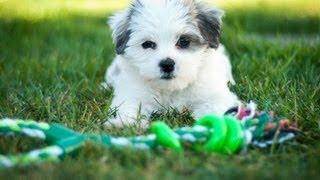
pixel 168 55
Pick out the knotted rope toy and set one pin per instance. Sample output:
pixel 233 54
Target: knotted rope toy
pixel 229 134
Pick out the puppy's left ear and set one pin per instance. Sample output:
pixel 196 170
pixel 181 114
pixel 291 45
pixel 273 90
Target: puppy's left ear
pixel 209 23
pixel 119 24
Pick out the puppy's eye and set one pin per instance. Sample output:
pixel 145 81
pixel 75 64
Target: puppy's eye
pixel 183 42
pixel 149 44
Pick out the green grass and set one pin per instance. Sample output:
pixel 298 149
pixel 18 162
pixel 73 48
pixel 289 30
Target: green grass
pixel 53 55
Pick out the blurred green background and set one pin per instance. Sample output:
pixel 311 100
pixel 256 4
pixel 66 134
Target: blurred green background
pixel 53 55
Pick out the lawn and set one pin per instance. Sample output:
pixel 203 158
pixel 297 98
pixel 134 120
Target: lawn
pixel 53 55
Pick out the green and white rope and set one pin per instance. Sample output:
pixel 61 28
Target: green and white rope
pixel 196 134
pixel 220 134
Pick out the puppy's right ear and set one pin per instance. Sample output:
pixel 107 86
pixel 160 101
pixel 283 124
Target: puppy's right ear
pixel 119 24
pixel 209 23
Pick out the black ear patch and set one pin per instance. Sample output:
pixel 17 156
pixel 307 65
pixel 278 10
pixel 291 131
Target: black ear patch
pixel 209 23
pixel 121 41
pixel 120 26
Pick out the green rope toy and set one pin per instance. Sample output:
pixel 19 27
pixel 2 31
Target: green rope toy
pixel 220 134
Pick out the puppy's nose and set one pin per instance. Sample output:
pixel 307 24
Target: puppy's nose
pixel 167 65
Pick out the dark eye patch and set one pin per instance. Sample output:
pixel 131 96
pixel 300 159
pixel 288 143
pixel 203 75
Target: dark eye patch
pixel 183 42
pixel 149 44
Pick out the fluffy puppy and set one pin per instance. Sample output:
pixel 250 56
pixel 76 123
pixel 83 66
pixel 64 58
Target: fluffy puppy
pixel 168 55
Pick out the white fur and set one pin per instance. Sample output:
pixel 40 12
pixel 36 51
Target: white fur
pixel 201 75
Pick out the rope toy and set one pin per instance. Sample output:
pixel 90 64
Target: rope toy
pixel 239 128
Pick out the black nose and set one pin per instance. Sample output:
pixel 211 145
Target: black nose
pixel 167 65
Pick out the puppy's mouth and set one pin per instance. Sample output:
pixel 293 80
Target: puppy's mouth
pixel 167 76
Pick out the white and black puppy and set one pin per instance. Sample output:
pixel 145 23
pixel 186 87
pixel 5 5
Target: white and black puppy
pixel 168 55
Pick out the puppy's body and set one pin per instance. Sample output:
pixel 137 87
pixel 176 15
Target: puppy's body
pixel 168 56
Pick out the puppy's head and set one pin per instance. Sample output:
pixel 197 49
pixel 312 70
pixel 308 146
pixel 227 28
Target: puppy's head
pixel 166 40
